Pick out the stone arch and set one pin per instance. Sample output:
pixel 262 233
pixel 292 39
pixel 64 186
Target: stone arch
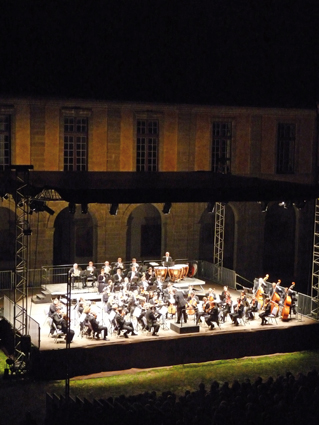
pixel 74 237
pixel 279 243
pixel 144 232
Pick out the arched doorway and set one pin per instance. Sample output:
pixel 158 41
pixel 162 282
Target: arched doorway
pixel 279 243
pixel 144 233
pixel 73 238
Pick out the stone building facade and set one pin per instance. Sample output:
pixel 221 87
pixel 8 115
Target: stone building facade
pixel 86 135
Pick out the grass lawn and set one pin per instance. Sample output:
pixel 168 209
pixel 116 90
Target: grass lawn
pixel 19 396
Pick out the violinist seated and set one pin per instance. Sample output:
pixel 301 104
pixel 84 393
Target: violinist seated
pixel 225 293
pixel 212 315
pixel 238 312
pixel 253 308
pixel 61 323
pixel 226 306
pixel 150 274
pixel 203 311
pixel 211 295
pixel 96 328
pixel 123 324
pixel 244 299
pixel 192 306
pixel 151 320
pixel 75 274
pixel 265 311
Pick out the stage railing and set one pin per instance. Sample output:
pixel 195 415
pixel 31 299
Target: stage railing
pixel 207 271
pixel 33 328
pixel 35 278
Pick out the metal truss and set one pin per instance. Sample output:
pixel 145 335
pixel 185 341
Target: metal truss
pixel 315 266
pixel 219 240
pixel 23 231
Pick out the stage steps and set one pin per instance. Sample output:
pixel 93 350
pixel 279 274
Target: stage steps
pixel 43 297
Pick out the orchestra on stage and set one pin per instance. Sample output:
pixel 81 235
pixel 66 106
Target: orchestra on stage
pixel 139 299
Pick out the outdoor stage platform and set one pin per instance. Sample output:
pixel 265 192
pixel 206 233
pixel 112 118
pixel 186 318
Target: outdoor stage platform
pixel 88 356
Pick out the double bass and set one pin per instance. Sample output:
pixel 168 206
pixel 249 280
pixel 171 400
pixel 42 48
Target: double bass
pixel 286 308
pixel 275 298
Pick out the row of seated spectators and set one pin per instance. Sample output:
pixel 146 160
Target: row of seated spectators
pixel 285 400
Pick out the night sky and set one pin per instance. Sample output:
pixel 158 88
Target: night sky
pixel 254 53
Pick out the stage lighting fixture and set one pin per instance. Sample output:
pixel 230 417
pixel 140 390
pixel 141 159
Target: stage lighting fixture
pixel 39 206
pixel 72 207
pixel 84 208
pixel 48 209
pixel 114 209
pixel 211 207
pixel 167 208
pixel 27 231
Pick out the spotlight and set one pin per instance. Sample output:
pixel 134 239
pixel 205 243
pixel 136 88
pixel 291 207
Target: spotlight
pixel 285 204
pixel 167 208
pixel 39 206
pixel 211 207
pixel 84 208
pixel 27 231
pixel 48 210
pixel 114 209
pixel 72 208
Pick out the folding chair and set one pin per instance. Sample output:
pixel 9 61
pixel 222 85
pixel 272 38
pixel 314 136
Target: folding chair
pixel 273 316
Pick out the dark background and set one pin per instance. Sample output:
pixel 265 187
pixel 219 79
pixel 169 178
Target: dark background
pixel 231 52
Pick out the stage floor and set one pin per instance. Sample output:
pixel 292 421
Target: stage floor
pixel 88 356
pixel 47 342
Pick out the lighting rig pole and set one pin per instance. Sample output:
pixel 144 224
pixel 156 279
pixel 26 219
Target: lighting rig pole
pixel 315 252
pixel 219 236
pixel 22 342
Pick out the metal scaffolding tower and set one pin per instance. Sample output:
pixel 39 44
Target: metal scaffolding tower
pixel 23 231
pixel 315 266
pixel 219 241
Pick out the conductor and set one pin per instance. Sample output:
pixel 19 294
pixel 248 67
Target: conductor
pixel 180 303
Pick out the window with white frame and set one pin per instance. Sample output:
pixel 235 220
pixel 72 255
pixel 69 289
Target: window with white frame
pixel 147 133
pixel 75 143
